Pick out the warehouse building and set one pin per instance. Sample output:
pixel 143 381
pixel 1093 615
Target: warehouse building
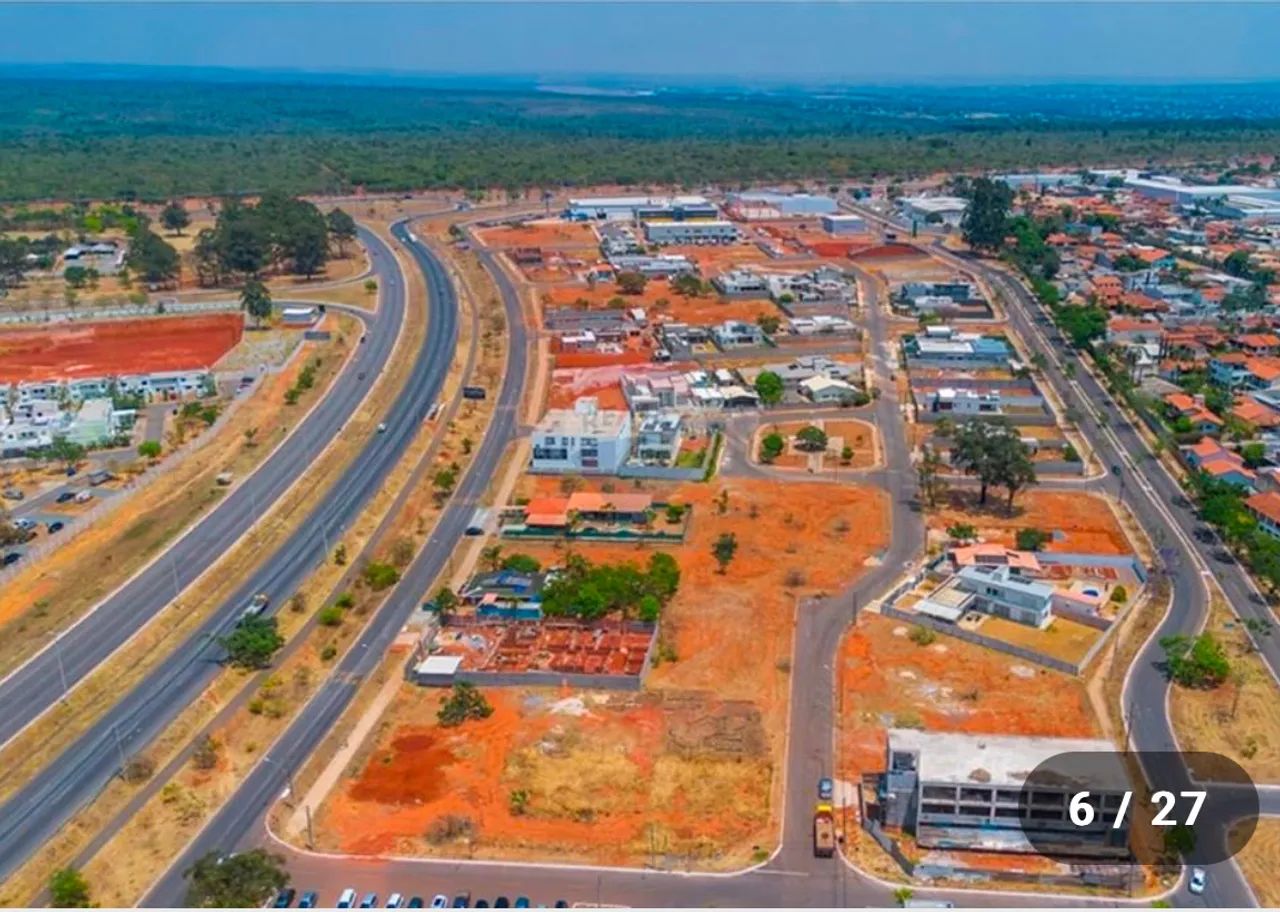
pixel 614 208
pixel 784 205
pixel 946 210
pixel 963 791
pixel 708 232
pixel 844 224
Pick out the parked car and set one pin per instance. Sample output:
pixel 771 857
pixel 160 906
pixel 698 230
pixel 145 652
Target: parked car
pixel 395 901
pixel 26 524
pixel 284 899
pixel 439 901
pixel 370 901
pixel 522 902
pixel 462 901
pixel 482 903
pixel 13 494
pixel 1199 880
pixel 84 497
pixel 66 496
pixel 826 788
pixel 416 902
pixel 10 559
pixel 309 900
pixel 347 899
pixel 502 903
pixel 56 525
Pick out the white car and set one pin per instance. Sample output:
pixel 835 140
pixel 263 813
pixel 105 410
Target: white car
pixel 382 428
pixel 1198 881
pixel 440 901
pixel 84 497
pixel 395 901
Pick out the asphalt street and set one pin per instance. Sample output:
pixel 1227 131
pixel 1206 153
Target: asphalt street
pixel 37 810
pixel 240 817
pixel 34 687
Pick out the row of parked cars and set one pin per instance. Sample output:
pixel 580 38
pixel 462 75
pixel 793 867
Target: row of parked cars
pixel 350 899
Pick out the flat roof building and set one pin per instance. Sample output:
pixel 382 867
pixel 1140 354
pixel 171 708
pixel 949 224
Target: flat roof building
pixel 966 791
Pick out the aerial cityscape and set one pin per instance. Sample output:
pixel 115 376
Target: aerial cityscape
pixel 447 459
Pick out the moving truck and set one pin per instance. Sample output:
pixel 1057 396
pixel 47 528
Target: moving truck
pixel 824 832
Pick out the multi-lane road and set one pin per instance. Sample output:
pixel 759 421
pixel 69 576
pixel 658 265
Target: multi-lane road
pixel 79 772
pixel 240 816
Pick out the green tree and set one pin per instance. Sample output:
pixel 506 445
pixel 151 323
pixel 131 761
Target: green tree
pixel 929 475
pixel 1254 454
pixel 244 880
pixel 724 548
pixel 1198 662
pixel 632 283
pixel 1032 539
pixel 149 449
pixel 65 451
pixel 445 603
pixel 174 217
pixel 521 563
pixel 76 276
pixel 811 438
pixel 771 447
pixel 256 301
pixel 153 259
pixel 962 532
pixel 985 220
pixel 491 556
pixel 252 643
pixel 769 323
pixel 342 229
pixel 464 703
pixel 769 387
pixel 69 890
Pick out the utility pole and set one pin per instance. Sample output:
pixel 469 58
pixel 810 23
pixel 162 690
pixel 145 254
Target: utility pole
pixel 311 839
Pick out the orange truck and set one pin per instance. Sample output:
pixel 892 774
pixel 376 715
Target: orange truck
pixel 824 832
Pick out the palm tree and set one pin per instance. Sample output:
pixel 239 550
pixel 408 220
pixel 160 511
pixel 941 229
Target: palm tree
pixel 491 556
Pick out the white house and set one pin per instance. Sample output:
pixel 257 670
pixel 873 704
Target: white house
pixel 827 389
pixel 586 440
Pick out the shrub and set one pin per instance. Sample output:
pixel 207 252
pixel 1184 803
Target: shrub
pixel 1119 595
pixel 149 449
pixel 1069 453
pixel 922 636
pixel 380 576
pixel 1032 539
pixel 205 755
pixel 463 704
pixel 345 600
pixel 330 616
pixel 450 828
pixel 328 652
pixel 137 769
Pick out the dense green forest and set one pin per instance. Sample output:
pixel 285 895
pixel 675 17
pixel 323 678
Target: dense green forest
pixel 150 140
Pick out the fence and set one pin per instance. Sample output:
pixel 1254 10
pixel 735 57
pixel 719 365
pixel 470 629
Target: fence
pixel 116 312
pixel 978 639
pixel 105 508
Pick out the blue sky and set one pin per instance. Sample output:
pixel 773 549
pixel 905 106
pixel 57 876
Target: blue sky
pixel 792 41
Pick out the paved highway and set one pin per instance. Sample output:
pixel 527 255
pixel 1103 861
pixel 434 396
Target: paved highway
pixel 36 811
pixel 34 687
pixel 239 818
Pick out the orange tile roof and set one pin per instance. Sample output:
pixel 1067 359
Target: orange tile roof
pixel 1182 402
pixel 1208 448
pixel 1264 368
pixel 1253 412
pixel 1257 340
pixel 591 502
pixel 1265 504
pixel 1149 254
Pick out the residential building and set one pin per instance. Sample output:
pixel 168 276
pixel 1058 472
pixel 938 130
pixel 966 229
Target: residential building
pixel 657 266
pixel 506 591
pixel 1265 508
pixel 658 436
pixel 737 334
pixel 820 324
pixel 942 346
pixel 585 439
pixel 1004 592
pixel 653 391
pixel 965 402
pixel 971 791
pixel 1216 461
pixel 824 284
pixel 741 283
pixel 828 390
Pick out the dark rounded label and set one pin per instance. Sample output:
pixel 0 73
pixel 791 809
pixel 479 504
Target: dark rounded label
pixel 1115 808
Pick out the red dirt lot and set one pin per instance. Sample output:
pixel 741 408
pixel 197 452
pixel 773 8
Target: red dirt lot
pixel 543 234
pixel 118 347
pixel 1085 522
pixel 687 768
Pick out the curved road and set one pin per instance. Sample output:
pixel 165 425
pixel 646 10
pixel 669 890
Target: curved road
pixel 33 688
pixel 240 816
pixel 37 810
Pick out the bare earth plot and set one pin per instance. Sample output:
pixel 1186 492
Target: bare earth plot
pixel 683 770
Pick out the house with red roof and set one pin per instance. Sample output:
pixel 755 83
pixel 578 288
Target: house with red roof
pixel 1265 508
pixel 1216 461
pixel 1257 344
